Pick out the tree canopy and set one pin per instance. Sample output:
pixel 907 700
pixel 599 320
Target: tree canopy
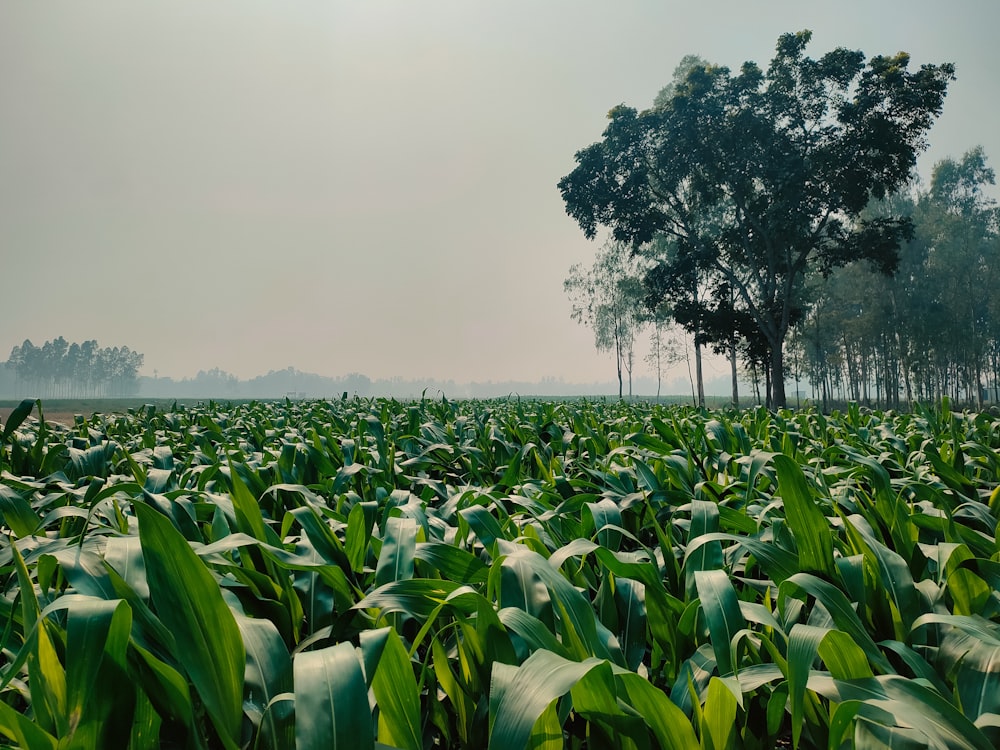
pixel 760 176
pixel 932 330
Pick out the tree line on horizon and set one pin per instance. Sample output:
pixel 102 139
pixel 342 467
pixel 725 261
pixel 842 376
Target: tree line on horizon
pixel 60 369
pixel 932 328
pixel 773 215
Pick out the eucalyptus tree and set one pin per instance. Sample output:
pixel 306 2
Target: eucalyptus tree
pixel 961 222
pixel 788 158
pixel 608 299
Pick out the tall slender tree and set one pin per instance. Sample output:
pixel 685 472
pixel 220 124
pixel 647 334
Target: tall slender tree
pixel 607 298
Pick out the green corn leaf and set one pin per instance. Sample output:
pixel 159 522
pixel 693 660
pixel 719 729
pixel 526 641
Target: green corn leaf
pixel 722 611
pixel 595 699
pixel 668 723
pixel 17 513
pixel 483 523
pixel 415 597
pixel 604 514
pixel 399 545
pixel 97 632
pixel 895 577
pixel 809 526
pixel 189 603
pixel 803 645
pixel 358 536
pixel 520 695
pixel 453 563
pixel 398 697
pixel 48 683
pixel 16 418
pixel 268 674
pixel 25 732
pixel 702 555
pixel 547 733
pixel 631 599
pixel 719 717
pixel 911 704
pixel 331 701
pixel 531 630
pixel 843 657
pixel 166 687
pixel 840 610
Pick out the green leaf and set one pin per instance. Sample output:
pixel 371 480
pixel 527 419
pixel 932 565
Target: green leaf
pixel 519 695
pixel 399 545
pixel 668 723
pixel 702 555
pixel 453 563
pixel 808 525
pixel 16 418
pixel 17 513
pixel 331 701
pixel 722 611
pixel 840 610
pixel 531 630
pixel 22 730
pixel 398 697
pixel 803 644
pixel 843 657
pixel 268 674
pixel 719 716
pixel 595 699
pixel 189 603
pixel 358 536
pixel 912 704
pixel 96 630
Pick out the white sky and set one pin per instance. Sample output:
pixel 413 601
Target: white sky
pixel 362 186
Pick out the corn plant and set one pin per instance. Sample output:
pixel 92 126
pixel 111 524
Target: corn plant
pixel 503 574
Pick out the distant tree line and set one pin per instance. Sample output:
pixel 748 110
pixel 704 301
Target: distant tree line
pixel 932 329
pixel 59 369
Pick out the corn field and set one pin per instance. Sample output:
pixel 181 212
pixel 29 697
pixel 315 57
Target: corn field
pixel 509 574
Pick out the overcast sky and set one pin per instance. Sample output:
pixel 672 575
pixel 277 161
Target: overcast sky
pixel 363 186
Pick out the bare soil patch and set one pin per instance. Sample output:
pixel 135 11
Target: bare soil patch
pixel 62 417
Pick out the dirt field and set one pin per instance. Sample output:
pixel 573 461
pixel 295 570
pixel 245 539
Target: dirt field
pixel 63 410
pixel 62 417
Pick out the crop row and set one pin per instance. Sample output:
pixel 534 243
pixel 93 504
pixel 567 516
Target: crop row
pixel 509 574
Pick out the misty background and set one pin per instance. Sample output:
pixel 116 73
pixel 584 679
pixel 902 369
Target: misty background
pixel 304 193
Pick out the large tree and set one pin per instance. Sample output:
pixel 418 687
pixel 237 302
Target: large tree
pixel 761 175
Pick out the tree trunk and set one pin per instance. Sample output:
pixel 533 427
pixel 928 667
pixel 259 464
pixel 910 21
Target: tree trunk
pixel 698 373
pixel 618 362
pixel 777 378
pixel 736 385
pixel 687 360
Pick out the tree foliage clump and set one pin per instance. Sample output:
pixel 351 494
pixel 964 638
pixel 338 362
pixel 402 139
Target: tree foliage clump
pixel 59 369
pixel 760 176
pixel 607 298
pixel 931 330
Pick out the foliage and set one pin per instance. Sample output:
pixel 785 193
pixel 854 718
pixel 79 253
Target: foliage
pixel 508 574
pixel 933 329
pixel 761 175
pixel 608 299
pixel 61 369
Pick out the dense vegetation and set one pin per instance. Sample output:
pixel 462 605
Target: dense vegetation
pixel 60 369
pixel 933 328
pixel 505 574
pixel 752 180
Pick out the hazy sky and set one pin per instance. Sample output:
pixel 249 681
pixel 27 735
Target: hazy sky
pixel 362 186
